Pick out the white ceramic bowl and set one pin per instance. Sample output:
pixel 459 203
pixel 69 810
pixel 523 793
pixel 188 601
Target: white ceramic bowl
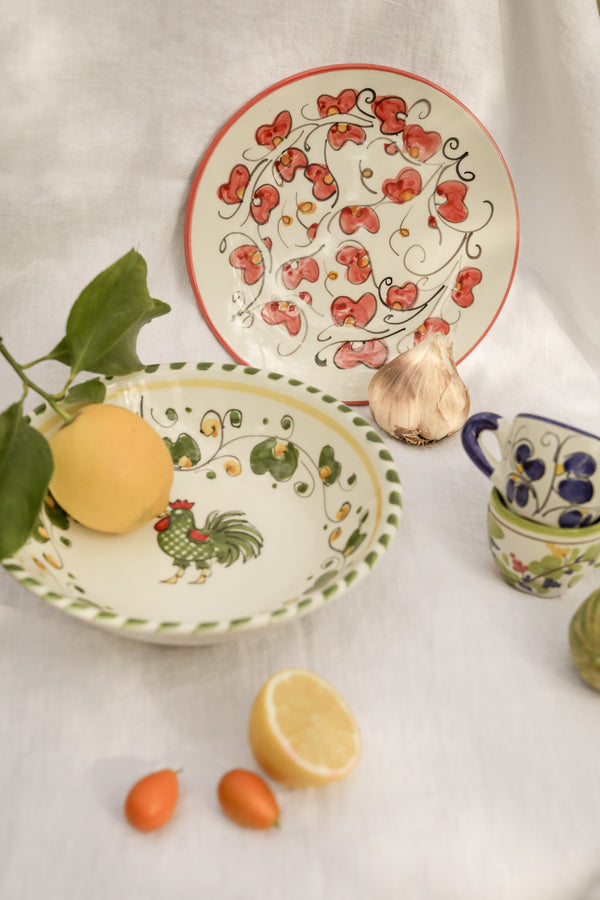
pixel 283 498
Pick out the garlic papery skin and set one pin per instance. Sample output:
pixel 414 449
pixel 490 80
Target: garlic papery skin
pixel 418 396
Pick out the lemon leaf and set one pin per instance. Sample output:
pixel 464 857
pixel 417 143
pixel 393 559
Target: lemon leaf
pixel 105 320
pixel 92 391
pixel 9 426
pixel 24 476
pixel 122 358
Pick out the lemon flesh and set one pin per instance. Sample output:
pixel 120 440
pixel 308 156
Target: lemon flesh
pixel 301 731
pixel 112 471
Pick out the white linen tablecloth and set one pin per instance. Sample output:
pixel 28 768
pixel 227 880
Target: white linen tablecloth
pixel 479 778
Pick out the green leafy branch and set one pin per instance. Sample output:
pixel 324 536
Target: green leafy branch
pixel 100 338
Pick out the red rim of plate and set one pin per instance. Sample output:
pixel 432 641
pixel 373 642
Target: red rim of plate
pixel 270 90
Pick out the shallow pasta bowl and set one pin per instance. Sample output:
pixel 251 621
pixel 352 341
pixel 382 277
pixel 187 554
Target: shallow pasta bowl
pixel 282 499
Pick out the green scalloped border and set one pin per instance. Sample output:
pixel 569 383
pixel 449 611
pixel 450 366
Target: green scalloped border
pixel 115 622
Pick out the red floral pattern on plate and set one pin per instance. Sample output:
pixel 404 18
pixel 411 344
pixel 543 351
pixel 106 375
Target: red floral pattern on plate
pixel 372 354
pixel 234 189
pixel 361 186
pixel 356 260
pixel 265 199
pixel 466 280
pixel 432 324
pixel 284 313
pixel 324 185
pixel 354 217
pixel 404 187
pixel 338 135
pixel 453 208
pixel 403 297
pixel 346 311
pixel 391 112
pixel 298 270
pixel 249 259
pixel 290 162
pixel 343 103
pixel 420 144
pixel 271 135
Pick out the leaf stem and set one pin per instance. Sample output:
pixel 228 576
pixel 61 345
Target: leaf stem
pixel 34 362
pixel 30 384
pixel 63 393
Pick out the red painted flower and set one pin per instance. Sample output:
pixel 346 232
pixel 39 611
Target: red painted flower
pixel 403 297
pixel 354 217
pixel 431 325
pixel 233 190
pixel 287 314
pixel 357 262
pixel 342 132
pixel 372 354
pixel 312 230
pixel 391 112
pixel 305 297
pixel 420 144
pixel 249 259
pixel 343 103
pixel 273 134
pixel 466 280
pixel 453 208
pixel 297 270
pixel 391 149
pixel 517 565
pixel 265 199
pixel 345 311
pixel 323 182
pixel 404 187
pixel 290 162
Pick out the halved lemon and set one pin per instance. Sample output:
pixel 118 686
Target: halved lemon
pixel 301 731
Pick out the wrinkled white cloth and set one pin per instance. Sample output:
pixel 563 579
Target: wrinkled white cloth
pixel 479 776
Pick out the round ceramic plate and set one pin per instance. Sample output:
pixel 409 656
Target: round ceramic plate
pixel 282 498
pixel 343 214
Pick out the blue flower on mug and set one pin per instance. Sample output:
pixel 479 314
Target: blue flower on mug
pixel 527 470
pixel 576 488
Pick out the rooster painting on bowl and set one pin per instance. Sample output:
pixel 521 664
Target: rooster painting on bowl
pixel 223 539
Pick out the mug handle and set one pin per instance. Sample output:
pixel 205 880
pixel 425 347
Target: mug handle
pixel 473 427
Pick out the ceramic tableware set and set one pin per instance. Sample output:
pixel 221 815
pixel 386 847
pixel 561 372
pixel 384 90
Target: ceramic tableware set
pixel 337 219
pixel 543 516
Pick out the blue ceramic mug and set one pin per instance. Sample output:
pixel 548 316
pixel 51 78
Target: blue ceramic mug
pixel 546 471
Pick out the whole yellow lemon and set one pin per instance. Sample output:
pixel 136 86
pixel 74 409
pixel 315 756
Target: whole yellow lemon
pixel 112 471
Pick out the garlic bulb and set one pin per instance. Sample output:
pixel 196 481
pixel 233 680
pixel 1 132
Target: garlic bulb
pixel 418 396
